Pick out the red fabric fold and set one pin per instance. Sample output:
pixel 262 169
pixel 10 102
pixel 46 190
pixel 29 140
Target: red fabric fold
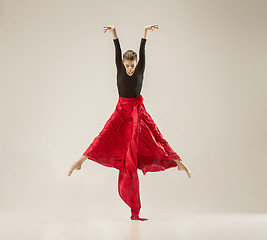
pixel 131 140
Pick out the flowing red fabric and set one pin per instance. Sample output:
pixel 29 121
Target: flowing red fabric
pixel 131 140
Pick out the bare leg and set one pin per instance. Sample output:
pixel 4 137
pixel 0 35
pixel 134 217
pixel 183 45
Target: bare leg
pixel 182 166
pixel 77 165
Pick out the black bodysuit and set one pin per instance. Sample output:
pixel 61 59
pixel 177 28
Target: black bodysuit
pixel 130 86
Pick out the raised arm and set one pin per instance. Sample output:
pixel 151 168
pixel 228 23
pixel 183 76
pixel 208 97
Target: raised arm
pixel 142 58
pixel 142 55
pixel 118 55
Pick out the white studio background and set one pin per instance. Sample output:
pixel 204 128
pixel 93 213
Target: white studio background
pixel 204 85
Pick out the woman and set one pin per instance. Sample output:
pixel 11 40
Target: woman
pixel 130 139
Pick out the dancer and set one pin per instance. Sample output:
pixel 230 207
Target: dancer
pixel 130 139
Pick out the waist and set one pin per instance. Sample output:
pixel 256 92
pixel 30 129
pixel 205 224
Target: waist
pixel 131 99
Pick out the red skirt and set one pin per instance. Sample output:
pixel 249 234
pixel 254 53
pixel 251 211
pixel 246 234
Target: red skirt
pixel 131 140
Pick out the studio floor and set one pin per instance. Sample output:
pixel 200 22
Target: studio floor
pixel 164 224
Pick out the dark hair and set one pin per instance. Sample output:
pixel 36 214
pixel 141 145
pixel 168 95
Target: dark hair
pixel 130 55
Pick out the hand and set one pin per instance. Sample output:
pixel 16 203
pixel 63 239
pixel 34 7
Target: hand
pixel 182 166
pixel 110 28
pixel 77 165
pixel 150 27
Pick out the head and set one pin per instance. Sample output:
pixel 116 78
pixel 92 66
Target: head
pixel 129 60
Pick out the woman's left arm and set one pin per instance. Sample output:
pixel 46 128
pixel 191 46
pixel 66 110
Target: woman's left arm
pixel 145 33
pixel 142 56
pixel 149 27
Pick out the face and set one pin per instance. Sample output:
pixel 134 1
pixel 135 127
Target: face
pixel 129 65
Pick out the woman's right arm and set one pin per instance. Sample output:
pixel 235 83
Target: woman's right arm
pixel 114 33
pixel 118 57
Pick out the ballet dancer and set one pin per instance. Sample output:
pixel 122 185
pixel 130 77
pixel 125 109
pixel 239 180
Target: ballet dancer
pixel 130 139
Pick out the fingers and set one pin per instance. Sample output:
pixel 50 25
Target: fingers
pixel 155 26
pixel 108 28
pixel 105 29
pixel 150 27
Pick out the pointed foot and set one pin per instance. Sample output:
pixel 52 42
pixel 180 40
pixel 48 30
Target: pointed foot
pixel 138 218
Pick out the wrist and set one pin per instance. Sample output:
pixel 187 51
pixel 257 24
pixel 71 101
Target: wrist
pixel 114 33
pixel 145 33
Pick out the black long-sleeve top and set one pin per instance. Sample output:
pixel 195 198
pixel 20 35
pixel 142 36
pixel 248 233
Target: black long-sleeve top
pixel 130 86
